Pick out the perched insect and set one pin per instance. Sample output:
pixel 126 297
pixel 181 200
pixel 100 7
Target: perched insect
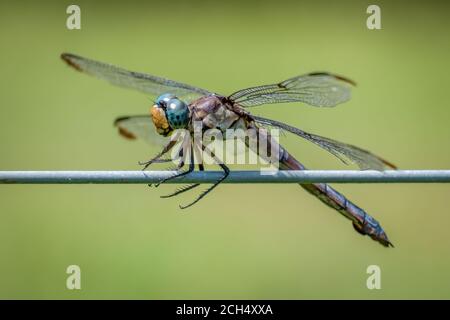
pixel 179 106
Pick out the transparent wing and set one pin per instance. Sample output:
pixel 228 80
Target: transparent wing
pixel 345 152
pixel 140 127
pixel 316 89
pixel 149 84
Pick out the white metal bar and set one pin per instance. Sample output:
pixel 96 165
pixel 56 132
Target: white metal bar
pixel 307 176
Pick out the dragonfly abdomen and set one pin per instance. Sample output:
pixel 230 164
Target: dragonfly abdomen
pixel 362 221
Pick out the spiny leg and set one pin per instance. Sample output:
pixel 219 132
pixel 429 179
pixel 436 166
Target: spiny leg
pixel 198 156
pixel 170 159
pixel 185 147
pixel 164 160
pixel 183 155
pixel 180 165
pixel 186 187
pixel 181 190
pixel 156 158
pixel 226 171
pixel 201 167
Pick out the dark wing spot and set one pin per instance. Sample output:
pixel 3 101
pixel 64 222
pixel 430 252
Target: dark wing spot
pixel 126 134
pixel 353 83
pixel 389 164
pixel 333 75
pixel 67 57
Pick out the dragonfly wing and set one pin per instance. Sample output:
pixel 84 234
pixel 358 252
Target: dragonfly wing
pixel 347 153
pixel 140 127
pixel 318 89
pixel 146 83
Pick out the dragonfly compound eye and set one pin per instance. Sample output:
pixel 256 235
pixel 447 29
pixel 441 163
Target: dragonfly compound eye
pixel 177 113
pixel 164 98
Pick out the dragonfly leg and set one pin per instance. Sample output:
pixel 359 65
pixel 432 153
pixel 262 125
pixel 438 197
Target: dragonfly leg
pixel 186 187
pixel 164 160
pixel 156 159
pixel 181 190
pixel 180 166
pixel 226 171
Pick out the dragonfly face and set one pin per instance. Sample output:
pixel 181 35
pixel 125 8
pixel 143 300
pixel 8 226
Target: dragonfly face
pixel 169 113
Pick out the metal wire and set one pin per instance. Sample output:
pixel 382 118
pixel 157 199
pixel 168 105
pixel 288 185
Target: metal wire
pixel 146 177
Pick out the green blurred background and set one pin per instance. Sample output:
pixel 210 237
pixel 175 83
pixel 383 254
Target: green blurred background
pixel 242 241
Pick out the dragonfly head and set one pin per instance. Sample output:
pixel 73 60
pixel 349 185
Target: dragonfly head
pixel 169 113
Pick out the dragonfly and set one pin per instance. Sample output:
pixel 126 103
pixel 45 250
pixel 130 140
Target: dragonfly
pixel 178 106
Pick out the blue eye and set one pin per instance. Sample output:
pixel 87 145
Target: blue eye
pixel 177 113
pixel 164 98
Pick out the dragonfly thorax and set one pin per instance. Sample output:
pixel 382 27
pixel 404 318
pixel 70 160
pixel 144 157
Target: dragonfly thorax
pixel 169 113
